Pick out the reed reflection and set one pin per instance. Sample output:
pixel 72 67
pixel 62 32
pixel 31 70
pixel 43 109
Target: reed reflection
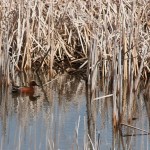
pixel 63 110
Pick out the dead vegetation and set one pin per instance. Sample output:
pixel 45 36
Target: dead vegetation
pixel 93 39
pixel 62 35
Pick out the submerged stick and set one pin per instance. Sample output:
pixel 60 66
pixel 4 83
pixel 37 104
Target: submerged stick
pixel 135 128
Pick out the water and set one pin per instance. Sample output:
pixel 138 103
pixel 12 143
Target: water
pixel 58 118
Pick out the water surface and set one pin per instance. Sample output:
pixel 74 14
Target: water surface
pixel 57 117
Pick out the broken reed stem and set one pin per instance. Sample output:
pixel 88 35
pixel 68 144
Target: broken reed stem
pixel 43 59
pixel 115 109
pixel 98 98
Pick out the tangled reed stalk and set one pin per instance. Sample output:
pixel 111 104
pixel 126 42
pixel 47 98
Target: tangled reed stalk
pixel 91 38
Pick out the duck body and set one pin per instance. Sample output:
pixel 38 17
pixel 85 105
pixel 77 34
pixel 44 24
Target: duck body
pixel 25 90
pixel 22 90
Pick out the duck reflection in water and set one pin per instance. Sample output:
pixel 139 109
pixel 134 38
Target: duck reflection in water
pixel 33 98
pixel 25 91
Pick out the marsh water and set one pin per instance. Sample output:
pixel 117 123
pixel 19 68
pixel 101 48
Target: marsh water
pixel 57 117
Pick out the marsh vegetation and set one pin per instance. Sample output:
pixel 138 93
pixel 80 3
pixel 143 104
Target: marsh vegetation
pixel 104 44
